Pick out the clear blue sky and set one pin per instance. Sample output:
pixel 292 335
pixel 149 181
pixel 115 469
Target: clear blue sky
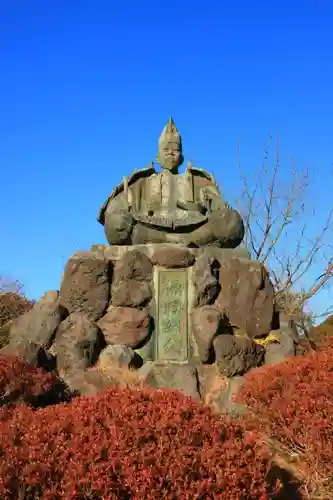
pixel 87 86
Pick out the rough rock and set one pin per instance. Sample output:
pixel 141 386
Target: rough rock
pixel 224 400
pixel 180 377
pixel 125 325
pixel 246 296
pixel 85 285
pixel 121 356
pixel 237 355
pixel 40 323
pixel 77 344
pixel 218 391
pixel 207 323
pixel 172 257
pixel 96 379
pixel 30 352
pixel 131 293
pixel 283 348
pixel 88 382
pixel 288 322
pixel 205 277
pixel 209 380
pixel 133 265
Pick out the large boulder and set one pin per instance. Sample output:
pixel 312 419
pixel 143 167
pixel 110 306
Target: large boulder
pixel 207 323
pixel 224 401
pixel 172 256
pixel 131 293
pixel 219 391
pixel 205 278
pixel 281 348
pixel 40 323
pixel 29 335
pixel 77 344
pixel 96 379
pixel 131 286
pixel 85 285
pixel 87 382
pixel 237 355
pixel 126 325
pixel 133 265
pixel 246 296
pixel 174 376
pixel 120 356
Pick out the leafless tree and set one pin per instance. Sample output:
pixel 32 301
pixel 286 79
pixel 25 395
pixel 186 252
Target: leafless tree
pixel 279 222
pixel 8 285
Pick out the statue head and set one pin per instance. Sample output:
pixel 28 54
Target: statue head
pixel 170 155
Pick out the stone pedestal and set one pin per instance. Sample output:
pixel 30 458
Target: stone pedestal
pixel 166 253
pixel 170 310
pixel 189 296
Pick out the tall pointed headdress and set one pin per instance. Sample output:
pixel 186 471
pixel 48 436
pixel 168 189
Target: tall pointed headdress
pixel 170 133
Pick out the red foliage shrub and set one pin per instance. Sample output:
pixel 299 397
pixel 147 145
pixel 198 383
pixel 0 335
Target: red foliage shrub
pixel 125 444
pixel 12 305
pixel 293 404
pixel 21 382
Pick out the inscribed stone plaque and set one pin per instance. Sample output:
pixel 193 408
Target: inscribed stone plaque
pixel 172 315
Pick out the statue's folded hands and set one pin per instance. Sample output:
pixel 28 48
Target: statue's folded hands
pixel 191 206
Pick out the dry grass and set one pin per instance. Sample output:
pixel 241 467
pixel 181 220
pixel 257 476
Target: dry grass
pixel 216 385
pixel 122 376
pixel 314 486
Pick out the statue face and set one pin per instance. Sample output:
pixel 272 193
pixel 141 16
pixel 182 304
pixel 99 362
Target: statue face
pixel 170 155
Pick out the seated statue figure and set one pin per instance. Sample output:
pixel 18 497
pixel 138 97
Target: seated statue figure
pixel 168 207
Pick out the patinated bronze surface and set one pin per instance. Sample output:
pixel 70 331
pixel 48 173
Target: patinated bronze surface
pixel 161 207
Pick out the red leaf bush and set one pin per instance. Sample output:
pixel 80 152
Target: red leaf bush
pixel 126 444
pixel 22 382
pixel 293 404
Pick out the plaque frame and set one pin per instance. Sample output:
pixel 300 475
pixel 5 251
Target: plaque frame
pixel 162 342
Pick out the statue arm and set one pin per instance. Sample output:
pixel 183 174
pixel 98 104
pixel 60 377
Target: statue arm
pixel 230 228
pixel 210 197
pixel 122 192
pixel 210 201
pixel 191 206
pixel 119 221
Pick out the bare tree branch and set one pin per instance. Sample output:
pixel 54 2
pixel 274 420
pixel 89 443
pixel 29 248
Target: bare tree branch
pixel 276 222
pixel 9 286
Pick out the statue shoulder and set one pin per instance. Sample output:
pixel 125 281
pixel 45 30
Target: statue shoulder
pixel 200 172
pixel 204 181
pixel 131 179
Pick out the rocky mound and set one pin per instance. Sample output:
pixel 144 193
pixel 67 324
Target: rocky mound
pixel 157 315
pixel 12 305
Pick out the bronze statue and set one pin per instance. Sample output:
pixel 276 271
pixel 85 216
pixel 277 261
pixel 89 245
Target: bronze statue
pixel 168 207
